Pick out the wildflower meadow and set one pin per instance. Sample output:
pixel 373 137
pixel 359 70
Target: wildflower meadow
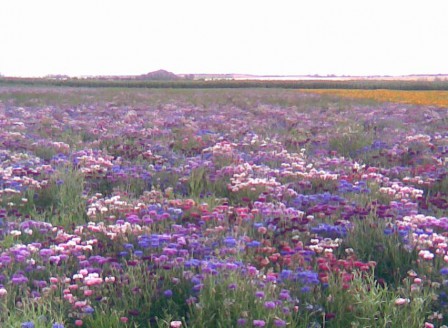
pixel 205 208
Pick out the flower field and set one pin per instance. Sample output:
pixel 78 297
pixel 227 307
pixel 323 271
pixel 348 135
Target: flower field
pixel 425 98
pixel 222 208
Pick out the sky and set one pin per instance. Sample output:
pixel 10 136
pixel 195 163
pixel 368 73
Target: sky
pixel 282 37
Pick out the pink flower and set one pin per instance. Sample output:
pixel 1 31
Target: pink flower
pixel 78 323
pixel 109 279
pixel 176 324
pixel 401 301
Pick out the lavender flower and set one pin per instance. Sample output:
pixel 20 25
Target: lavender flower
pixel 279 323
pixel 259 294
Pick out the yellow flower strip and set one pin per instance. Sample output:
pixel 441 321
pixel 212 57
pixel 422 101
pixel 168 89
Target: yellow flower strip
pixel 427 98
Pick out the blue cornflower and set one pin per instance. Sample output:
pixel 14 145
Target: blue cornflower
pixel 305 289
pixel 230 242
pixel 88 310
pixel 253 244
pixel 285 274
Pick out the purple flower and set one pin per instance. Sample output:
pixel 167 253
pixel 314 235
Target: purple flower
pixel 279 323
pixel 128 246
pixel 230 242
pixel 198 287
pixel 388 231
pixel 308 277
pixel 231 266
pixel 28 324
pixel 271 278
pixel 285 274
pixel 168 293
pixel 269 305
pixel 444 271
pixel 284 295
pixel 58 325
pixel 232 286
pixel 259 294
pixel 191 300
pixel 18 279
pixel 252 270
pixel 46 252
pixel 253 244
pixel 5 259
pixel 88 310
pixel 241 322
pixel 259 323
pixel 305 289
pixel 35 294
pixel 40 283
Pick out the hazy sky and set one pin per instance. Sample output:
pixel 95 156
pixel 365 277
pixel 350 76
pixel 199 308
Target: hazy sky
pixel 352 37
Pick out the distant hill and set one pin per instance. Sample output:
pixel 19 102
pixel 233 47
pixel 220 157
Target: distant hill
pixel 160 75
